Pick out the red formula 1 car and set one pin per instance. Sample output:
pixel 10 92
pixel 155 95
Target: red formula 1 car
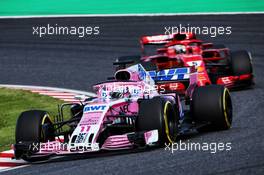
pixel 217 64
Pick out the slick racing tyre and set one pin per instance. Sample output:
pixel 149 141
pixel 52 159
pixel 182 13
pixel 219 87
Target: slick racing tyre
pixel 33 126
pixel 158 113
pixel 212 104
pixel 241 63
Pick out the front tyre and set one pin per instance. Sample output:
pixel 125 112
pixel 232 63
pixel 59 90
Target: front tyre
pixel 212 104
pixel 159 113
pixel 241 63
pixel 32 126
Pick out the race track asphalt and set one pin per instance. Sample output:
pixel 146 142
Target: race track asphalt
pixel 77 63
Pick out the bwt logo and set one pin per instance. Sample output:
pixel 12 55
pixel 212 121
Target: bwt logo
pixel 169 74
pixel 94 108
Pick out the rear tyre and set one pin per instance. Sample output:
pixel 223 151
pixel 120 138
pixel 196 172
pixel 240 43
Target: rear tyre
pixel 212 104
pixel 33 126
pixel 159 113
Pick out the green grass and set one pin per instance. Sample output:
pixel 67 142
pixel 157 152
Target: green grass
pixel 12 103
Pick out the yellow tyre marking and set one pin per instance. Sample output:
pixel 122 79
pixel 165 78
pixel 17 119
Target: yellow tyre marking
pixel 226 92
pixel 42 123
pixel 166 121
pixel 44 118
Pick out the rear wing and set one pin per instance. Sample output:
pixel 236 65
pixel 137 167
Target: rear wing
pixel 156 39
pixel 164 39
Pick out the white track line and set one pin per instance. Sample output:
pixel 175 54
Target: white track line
pixel 132 14
pixel 48 88
pixel 3 169
pixel 12 160
pixel 8 151
pixel 53 93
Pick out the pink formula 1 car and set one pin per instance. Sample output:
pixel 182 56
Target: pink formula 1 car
pixel 127 113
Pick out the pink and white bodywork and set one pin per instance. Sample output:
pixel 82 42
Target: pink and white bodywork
pixel 115 109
